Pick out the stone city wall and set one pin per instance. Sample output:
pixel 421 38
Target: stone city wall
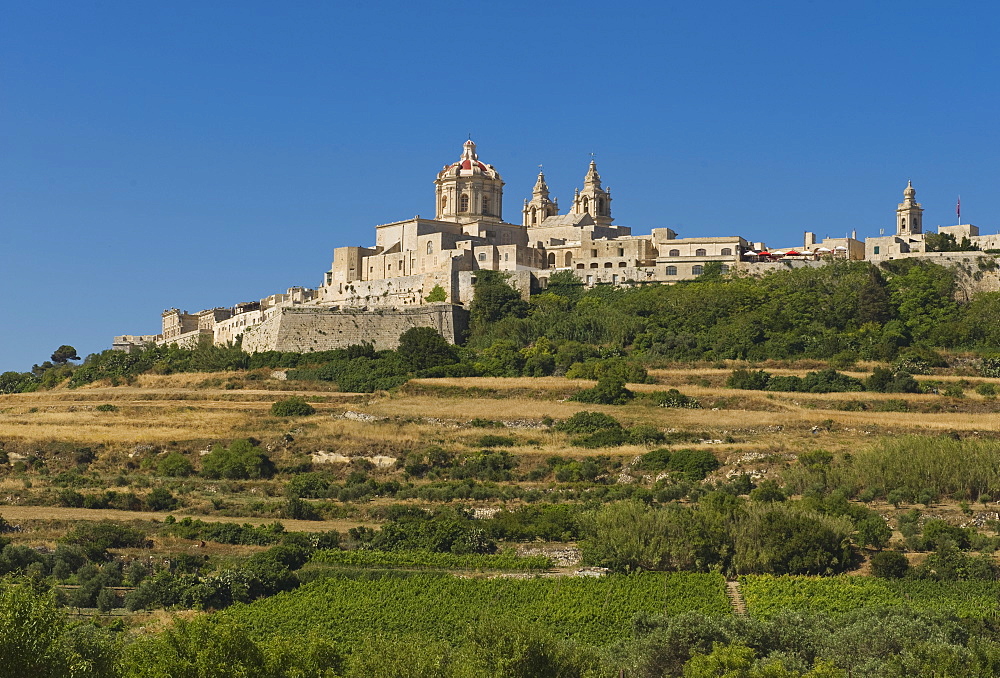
pixel 303 329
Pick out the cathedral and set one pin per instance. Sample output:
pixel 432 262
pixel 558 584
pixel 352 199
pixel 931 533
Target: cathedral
pixel 417 259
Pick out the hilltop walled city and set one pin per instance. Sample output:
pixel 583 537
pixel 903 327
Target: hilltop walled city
pixel 420 272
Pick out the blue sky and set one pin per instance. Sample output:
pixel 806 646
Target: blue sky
pixel 197 154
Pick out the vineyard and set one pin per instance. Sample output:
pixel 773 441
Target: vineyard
pixel 768 596
pixel 595 611
pixel 432 560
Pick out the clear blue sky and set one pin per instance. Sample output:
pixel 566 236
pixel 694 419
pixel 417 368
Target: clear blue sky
pixel 199 154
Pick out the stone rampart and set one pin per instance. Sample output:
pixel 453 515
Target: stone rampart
pixel 306 329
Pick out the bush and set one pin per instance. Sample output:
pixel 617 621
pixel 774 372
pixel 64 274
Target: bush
pixel 693 464
pixel 610 390
pixel 240 461
pixel 292 407
pixel 587 422
pixel 175 465
pixel 161 499
pixel 673 398
pixel 986 389
pixel 890 565
pixel 748 380
pixel 107 407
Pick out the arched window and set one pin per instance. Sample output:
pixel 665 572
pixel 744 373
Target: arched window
pixel 600 206
pixel 698 269
pixel 430 247
pixel 671 270
pixel 486 204
pixel 674 253
pixel 552 258
pixel 534 216
pixel 607 264
pixel 726 252
pixel 586 205
pixel 569 259
pixel 594 265
pixel 463 203
pixel 700 252
pixel 482 256
pixel 622 264
pixel 581 265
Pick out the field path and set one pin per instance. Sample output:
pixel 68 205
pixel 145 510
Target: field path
pixel 14 513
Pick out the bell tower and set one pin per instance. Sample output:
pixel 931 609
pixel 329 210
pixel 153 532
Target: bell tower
pixel 540 207
pixel 593 199
pixel 909 214
pixel 468 190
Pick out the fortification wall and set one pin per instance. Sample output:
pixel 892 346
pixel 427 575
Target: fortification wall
pixel 322 329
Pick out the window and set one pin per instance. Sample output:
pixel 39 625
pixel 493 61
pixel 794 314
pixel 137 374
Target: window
pixel 586 205
pixel 486 204
pixel 552 259
pixel 444 203
pixel 674 253
pixel 607 264
pixel 600 206
pixel 726 252
pixel 594 265
pixel 876 249
pixel 430 247
pixel 579 265
pixel 569 259
pixel 700 252
pixel 614 279
pixel 725 268
pixel 590 280
pixel 593 253
pixel 506 257
pixel 463 203
pixel 697 270
pixel 622 264
pixel 621 251
pixel 671 270
pixel 482 256
pixel 534 216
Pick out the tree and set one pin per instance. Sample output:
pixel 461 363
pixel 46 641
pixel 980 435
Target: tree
pixel 494 298
pixel 421 348
pixel 890 565
pixel 436 295
pixel 64 354
pixel 240 461
pixel 295 406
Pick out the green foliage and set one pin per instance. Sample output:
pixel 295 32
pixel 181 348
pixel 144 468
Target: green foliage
pixel 436 295
pixel 175 465
pixel 106 407
pixel 422 348
pixel 494 299
pixel 673 398
pixel 749 380
pixel 890 565
pixel 240 461
pixel 587 422
pixel 610 390
pixel 591 610
pixel 432 560
pixel 692 463
pixel 946 242
pixel 294 406
pixel 64 354
pixel 96 538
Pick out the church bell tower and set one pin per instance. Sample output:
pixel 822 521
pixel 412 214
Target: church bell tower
pixel 593 199
pixel 540 207
pixel 909 214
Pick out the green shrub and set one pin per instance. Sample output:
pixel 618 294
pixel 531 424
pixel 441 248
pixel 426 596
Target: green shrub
pixel 657 460
pixel 610 390
pixel 986 389
pixel 890 565
pixel 241 460
pixel 587 422
pixel 673 398
pixel 748 380
pixel 175 465
pixel 295 406
pixel 786 384
pixel 106 407
pixel 693 464
pixel 496 441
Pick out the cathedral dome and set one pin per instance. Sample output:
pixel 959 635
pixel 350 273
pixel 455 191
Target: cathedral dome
pixel 469 164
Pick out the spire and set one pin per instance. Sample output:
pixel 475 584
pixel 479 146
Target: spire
pixel 541 189
pixel 592 178
pixel 909 193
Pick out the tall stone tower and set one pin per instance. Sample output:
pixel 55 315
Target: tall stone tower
pixel 469 190
pixel 909 214
pixel 540 207
pixel 593 199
